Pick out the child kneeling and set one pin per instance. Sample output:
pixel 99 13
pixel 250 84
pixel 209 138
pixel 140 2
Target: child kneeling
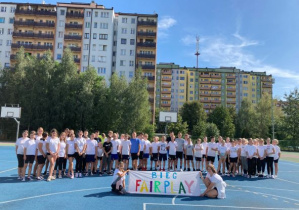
pixel 119 185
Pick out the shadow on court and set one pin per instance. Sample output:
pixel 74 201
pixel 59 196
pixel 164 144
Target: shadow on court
pixel 10 180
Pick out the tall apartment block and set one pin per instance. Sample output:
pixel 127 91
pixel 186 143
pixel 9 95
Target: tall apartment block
pixel 226 86
pixel 98 37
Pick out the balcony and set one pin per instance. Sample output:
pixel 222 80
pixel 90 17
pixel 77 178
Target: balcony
pixel 74 15
pixel 205 82
pixel 166 79
pixel 267 85
pixel 149 77
pixel 140 55
pixel 265 79
pixel 215 88
pixel 32 46
pixel 230 76
pixel 205 94
pixel 74 26
pixel 166 91
pixel 13 57
pixel 166 72
pixel 34 24
pixel 231 96
pixel 230 102
pixel 204 101
pixel 147 23
pixel 72 37
pixel 216 101
pixel 141 33
pixel 35 12
pixel 150 89
pixel 205 75
pixel 204 88
pixel 166 85
pixel 77 60
pixel 146 44
pixel 231 83
pixel 147 66
pixel 231 89
pixel 215 75
pixel 74 49
pixel 213 107
pixel 166 98
pixel 33 35
pixel 215 95
pixel 165 105
pixel 216 82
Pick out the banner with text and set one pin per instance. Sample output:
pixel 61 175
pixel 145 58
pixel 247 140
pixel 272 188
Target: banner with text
pixel 164 183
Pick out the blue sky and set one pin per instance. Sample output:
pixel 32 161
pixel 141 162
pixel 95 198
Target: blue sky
pixel 258 35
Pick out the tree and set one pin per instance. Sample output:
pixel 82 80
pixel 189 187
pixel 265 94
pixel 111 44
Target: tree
pixel 262 121
pixel 211 130
pixel 199 130
pixel 192 113
pixel 179 126
pixel 245 120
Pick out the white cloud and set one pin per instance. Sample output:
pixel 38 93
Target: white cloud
pixel 166 22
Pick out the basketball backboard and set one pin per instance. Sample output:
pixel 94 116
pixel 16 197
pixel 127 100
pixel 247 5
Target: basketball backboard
pixel 10 112
pixel 168 117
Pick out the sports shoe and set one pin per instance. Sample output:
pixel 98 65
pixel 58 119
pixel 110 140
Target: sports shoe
pixel 19 177
pixel 72 177
pixel 86 174
pixel 100 174
pixel 76 175
pixel 53 177
pixel 59 177
pixel 163 169
pixel 80 175
pixel 29 178
pixel 38 178
pixel 23 180
pixel 49 179
pixel 91 174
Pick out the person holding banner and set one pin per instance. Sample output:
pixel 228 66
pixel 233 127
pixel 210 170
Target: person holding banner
pixel 214 183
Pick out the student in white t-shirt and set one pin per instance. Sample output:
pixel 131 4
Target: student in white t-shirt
pixel 198 149
pixel 125 148
pixel 251 152
pixel 243 157
pixel 270 152
pixel 146 151
pixel 53 147
pixel 38 136
pixel 172 146
pixel 20 153
pixel 162 150
pixel 115 151
pixel 70 154
pixel 80 147
pixel 228 145
pixel 211 151
pixel 100 154
pixel 204 152
pixel 29 154
pixel 233 157
pixel 119 176
pixel 91 153
pixel 61 160
pixel 275 143
pixel 222 152
pixel 41 155
pixel 261 160
pixel 154 152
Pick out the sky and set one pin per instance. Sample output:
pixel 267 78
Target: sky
pixel 252 35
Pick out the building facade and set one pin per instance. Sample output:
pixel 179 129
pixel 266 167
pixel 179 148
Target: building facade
pixel 97 36
pixel 224 86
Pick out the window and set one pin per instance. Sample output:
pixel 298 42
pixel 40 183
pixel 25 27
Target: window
pixel 61 23
pixel 245 88
pixel 131 74
pixel 123 20
pixel 3 9
pixel 95 24
pixel 9 31
pixel 86 47
pixel 245 82
pixel 96 14
pixel 7 54
pixel 2 20
pixel 93 58
pixel 131 63
pixel 132 52
pixel 132 30
pixel 253 90
pixel 85 57
pixel 11 20
pixel 102 59
pixel 94 36
pixel 122 62
pixel 182 84
pixel 8 42
pixel 253 95
pixel 58 56
pixel 191 80
pixel 191 92
pixel 12 9
pixel 123 41
pixel 122 52
pixel 7 65
pixel 94 46
pixel 87 25
pixel 86 36
pixel 59 45
pixel 245 76
pixel 62 12
pixel 103 36
pixel 245 94
pixel 182 78
pixel 1 42
pixel 191 98
pixel 102 47
pixel 124 31
pixel 104 14
pixel 84 68
pixel 132 41
pixel 60 34
pixel 182 91
pixel 104 25
pixel 101 70
pixel 133 20
pixel 88 13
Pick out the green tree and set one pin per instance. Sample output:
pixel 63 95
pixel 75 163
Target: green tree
pixel 245 120
pixel 211 130
pixel 179 126
pixel 199 130
pixel 262 121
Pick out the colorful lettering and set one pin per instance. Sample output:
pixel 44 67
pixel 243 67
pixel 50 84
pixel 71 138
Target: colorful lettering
pixel 189 185
pixel 137 183
pixel 167 175
pixel 174 175
pixel 151 186
pixel 166 184
pixel 156 188
pixel 143 187
pixel 182 188
pixel 154 175
pixel 171 189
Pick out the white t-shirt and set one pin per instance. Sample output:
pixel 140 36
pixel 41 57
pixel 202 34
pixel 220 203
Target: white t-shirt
pixel 222 150
pixel 211 152
pixel 233 152
pixel 53 144
pixel 20 143
pixel 172 147
pixel 155 147
pixel 163 146
pixel 80 143
pixel 115 145
pixel 142 142
pixel 277 151
pixel 251 149
pixel 71 147
pixel 219 184
pixel 147 144
pixel 269 149
pixel 228 145
pixel 198 150
pixel 243 150
pixel 44 148
pixel 37 140
pixel 61 152
pixel 30 146
pixel 100 151
pixel 204 145
pixel 261 150
pixel 91 146
pixel 125 150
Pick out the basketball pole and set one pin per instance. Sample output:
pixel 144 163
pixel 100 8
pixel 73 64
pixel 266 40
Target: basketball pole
pixel 18 127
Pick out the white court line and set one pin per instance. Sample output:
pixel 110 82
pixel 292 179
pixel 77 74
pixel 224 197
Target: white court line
pixel 8 161
pixel 173 203
pixel 8 170
pixel 287 181
pixel 293 164
pixel 212 206
pixel 263 188
pixel 49 194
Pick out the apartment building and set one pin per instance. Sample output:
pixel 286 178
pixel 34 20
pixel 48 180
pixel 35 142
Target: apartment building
pixel 97 36
pixel 226 86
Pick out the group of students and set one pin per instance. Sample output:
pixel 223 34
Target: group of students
pixel 97 153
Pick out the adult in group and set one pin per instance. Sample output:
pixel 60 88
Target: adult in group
pixel 214 184
pixel 135 150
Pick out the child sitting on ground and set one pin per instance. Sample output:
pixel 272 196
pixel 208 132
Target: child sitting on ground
pixel 119 185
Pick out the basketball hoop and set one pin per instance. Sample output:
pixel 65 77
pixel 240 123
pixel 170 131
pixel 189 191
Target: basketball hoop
pixel 13 111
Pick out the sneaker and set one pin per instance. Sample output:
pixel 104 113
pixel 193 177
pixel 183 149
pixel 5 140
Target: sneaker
pixel 68 175
pixel 41 178
pixel 23 180
pixel 184 169
pixel 19 177
pixel 233 175
pixel 100 174
pixel 181 170
pixel 53 177
pixel 91 174
pixel 80 175
pixel 163 169
pixel 59 177
pixel 29 178
pixel 86 174
pixel 49 179
pixel 268 176
pixel 272 177
pixel 72 177
pixel 76 175
pixel 38 179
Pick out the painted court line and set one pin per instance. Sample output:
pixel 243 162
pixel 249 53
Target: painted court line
pixel 173 200
pixel 287 181
pixel 49 194
pixel 264 188
pixel 209 206
pixel 8 170
pixel 288 163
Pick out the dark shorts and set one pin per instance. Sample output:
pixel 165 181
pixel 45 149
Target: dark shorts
pixel 233 160
pixel 172 157
pixel 189 157
pixel 162 157
pixel 154 157
pixel 179 155
pixel 204 156
pixel 134 156
pixel 197 158
pixel 114 156
pixel 211 158
pixel 119 156
pixel 90 158
pixel 276 161
pixel 20 160
pixel 71 155
pixel 41 159
pixel 145 155
pixel 30 159
pixel 218 157
pixel 125 157
pixel 48 153
pixel 141 155
pixel 99 158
